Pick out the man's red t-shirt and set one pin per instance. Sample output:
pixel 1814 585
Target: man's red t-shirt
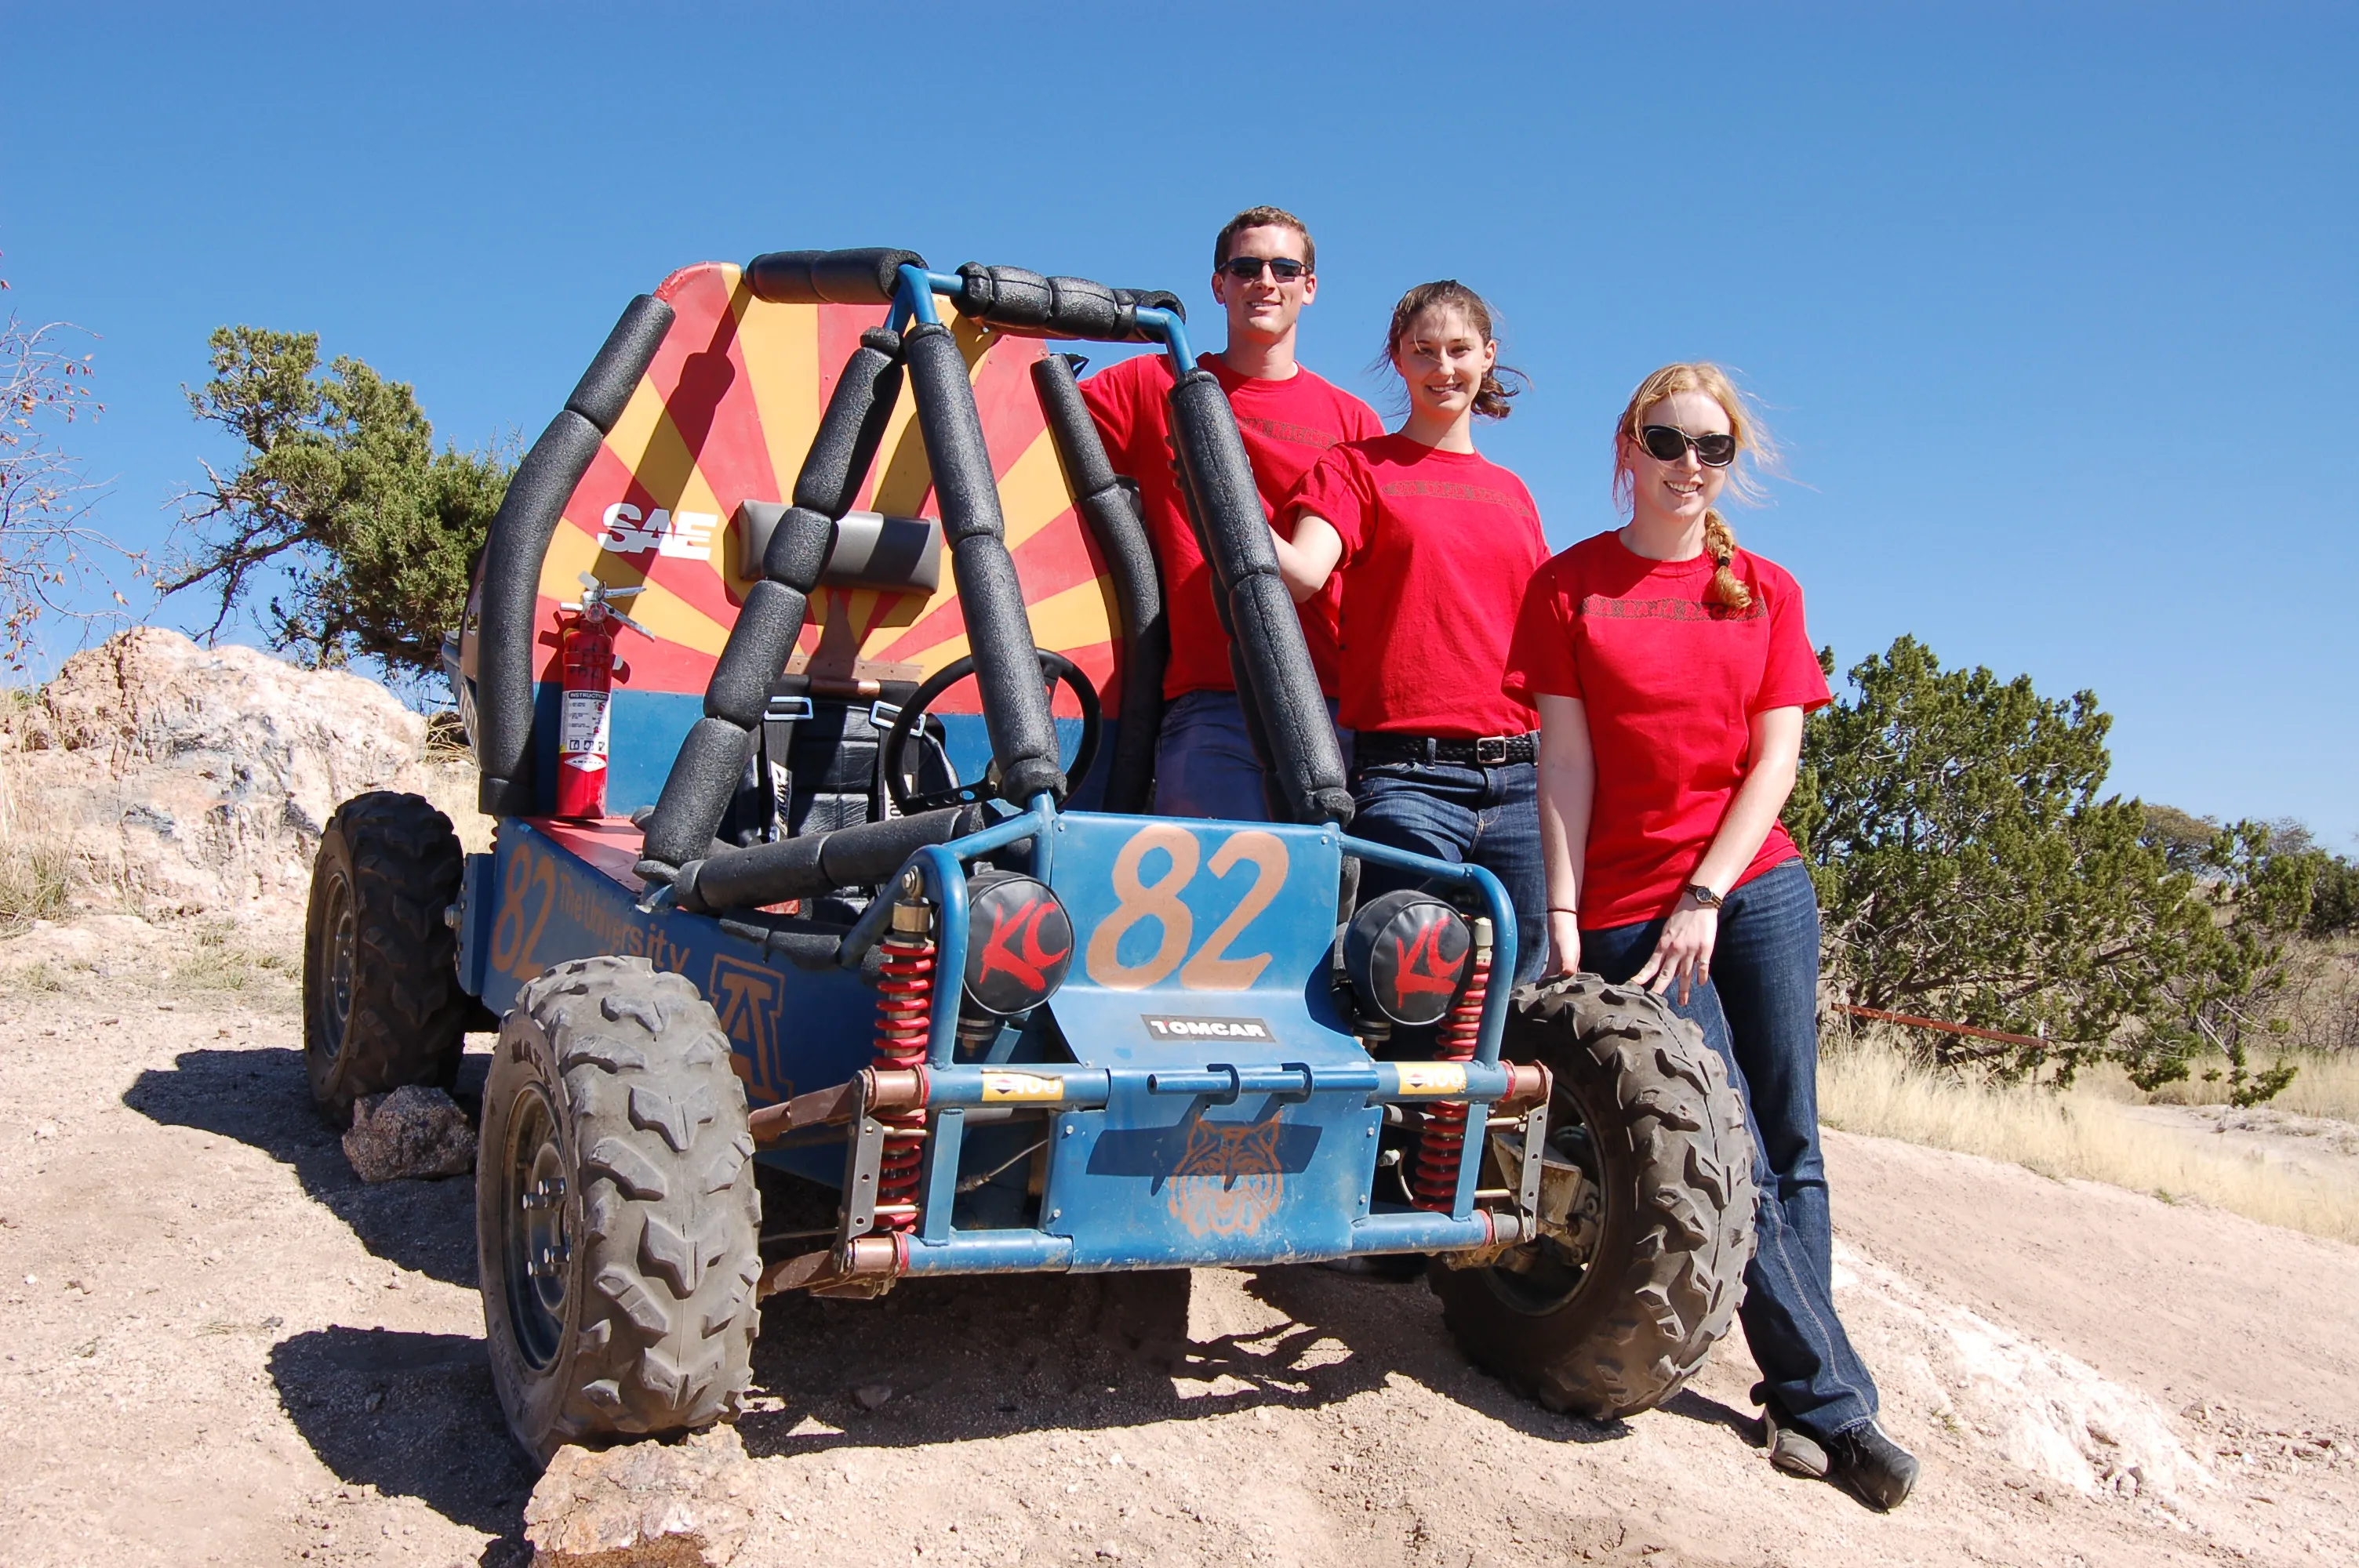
pixel 1288 425
pixel 1437 550
pixel 1670 683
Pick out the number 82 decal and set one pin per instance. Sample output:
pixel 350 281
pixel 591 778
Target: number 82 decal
pixel 1212 967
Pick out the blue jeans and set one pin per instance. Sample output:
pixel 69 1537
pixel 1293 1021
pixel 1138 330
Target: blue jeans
pixel 1204 761
pixel 1490 817
pixel 1759 1011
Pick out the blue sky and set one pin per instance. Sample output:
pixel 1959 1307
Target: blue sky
pixel 2051 305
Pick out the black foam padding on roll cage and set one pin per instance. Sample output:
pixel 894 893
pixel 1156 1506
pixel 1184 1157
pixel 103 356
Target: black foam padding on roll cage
pixel 712 759
pixel 829 277
pixel 844 444
pixel 862 855
pixel 770 618
pixel 1152 299
pixel 518 544
pixel 512 557
pixel 1111 513
pixel 1240 681
pixel 998 628
pixel 605 388
pixel 704 775
pixel 1029 305
pixel 1266 630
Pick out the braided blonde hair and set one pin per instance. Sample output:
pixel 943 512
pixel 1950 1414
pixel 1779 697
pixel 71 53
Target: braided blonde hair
pixel 1754 446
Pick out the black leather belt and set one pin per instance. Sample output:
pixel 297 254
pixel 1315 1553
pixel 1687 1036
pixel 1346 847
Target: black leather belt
pixel 1488 751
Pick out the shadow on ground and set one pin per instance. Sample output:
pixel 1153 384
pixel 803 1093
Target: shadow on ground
pixel 261 1097
pixel 991 1356
pixel 980 1358
pixel 409 1414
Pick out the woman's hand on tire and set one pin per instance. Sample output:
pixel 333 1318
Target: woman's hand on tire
pixel 1564 943
pixel 1682 955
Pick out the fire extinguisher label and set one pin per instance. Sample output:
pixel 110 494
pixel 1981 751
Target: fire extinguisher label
pixel 584 731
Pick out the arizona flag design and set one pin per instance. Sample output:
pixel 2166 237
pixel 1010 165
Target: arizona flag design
pixel 724 415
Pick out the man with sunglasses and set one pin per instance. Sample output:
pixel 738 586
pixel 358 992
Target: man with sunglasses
pixel 1264 273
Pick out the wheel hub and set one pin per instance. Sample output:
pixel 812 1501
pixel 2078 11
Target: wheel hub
pixel 538 1243
pixel 1540 1278
pixel 344 945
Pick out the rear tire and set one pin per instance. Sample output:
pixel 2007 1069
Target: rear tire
pixel 616 1218
pixel 382 1006
pixel 1672 1165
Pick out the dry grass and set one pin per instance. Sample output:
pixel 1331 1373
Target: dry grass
pixel 33 976
pixel 1870 1086
pixel 215 959
pixel 450 785
pixel 2324 1084
pixel 37 878
pixel 37 870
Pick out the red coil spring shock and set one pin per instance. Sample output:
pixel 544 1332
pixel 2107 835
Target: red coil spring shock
pixel 1439 1149
pixel 905 1013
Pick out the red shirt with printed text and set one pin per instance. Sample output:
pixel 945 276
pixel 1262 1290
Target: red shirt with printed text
pixel 1670 683
pixel 1287 425
pixel 1437 550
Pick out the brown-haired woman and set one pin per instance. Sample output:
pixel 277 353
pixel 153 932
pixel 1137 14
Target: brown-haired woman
pixel 1435 544
pixel 1671 670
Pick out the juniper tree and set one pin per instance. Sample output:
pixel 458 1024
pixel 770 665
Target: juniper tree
pixel 362 533
pixel 1971 866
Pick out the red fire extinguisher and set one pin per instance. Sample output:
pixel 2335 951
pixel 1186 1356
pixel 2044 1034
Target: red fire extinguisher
pixel 585 655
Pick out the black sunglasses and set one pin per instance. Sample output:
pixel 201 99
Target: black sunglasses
pixel 1665 444
pixel 1244 269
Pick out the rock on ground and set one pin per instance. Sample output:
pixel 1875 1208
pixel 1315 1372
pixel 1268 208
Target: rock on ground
pixel 193 780
pixel 413 1131
pixel 642 1505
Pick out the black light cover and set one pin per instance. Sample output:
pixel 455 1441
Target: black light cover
pixel 1406 952
pixel 1019 942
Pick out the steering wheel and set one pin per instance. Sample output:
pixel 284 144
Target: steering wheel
pixel 1054 668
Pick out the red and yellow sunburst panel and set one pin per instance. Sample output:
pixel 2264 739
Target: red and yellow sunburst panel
pixel 724 415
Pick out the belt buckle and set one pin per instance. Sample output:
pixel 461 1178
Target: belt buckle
pixel 884 715
pixel 786 707
pixel 1491 750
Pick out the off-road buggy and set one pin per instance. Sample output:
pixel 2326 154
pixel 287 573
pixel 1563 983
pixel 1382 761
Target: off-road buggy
pixel 874 898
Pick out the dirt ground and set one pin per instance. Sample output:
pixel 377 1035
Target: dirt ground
pixel 222 1348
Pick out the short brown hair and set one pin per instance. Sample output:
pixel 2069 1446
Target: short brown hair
pixel 1263 218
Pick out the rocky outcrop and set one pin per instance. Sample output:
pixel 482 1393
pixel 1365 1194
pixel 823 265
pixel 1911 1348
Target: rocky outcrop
pixel 412 1133
pixel 643 1504
pixel 186 779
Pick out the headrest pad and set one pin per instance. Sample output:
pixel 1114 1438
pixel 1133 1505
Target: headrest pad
pixel 898 555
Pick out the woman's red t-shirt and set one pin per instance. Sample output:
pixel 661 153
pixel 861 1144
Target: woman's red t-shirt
pixel 1437 550
pixel 1670 683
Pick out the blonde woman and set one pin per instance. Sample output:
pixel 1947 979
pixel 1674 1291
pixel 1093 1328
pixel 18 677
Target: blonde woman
pixel 1671 670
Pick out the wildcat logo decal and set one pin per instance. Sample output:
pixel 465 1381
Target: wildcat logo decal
pixel 1228 1178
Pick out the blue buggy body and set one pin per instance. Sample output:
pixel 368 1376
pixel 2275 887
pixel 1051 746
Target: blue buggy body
pixel 1200 1099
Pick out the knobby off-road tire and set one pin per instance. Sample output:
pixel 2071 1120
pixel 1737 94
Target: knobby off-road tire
pixel 382 1005
pixel 1674 1167
pixel 616 1219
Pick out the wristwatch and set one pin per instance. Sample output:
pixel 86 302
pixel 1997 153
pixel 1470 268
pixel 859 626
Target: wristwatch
pixel 1705 896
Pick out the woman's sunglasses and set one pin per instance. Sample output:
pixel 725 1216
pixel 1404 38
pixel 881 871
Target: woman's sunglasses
pixel 1667 445
pixel 1244 269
